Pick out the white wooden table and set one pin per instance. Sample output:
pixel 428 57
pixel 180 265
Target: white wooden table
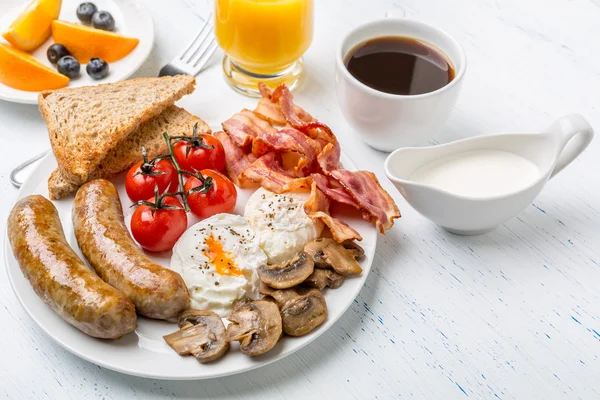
pixel 511 314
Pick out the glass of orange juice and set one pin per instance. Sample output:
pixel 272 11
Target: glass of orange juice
pixel 263 40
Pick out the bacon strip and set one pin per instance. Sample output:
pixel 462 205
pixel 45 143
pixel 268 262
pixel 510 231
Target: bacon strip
pixel 317 207
pixel 283 148
pixel 267 172
pixel 329 158
pixel 364 187
pixel 244 126
pixel 270 111
pixel 269 105
pixel 236 161
pixel 336 194
pixel 289 140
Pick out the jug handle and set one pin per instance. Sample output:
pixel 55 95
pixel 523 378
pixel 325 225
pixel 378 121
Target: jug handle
pixel 572 126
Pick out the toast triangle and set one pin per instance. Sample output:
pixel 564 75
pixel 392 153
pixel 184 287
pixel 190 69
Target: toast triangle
pixel 85 123
pixel 174 120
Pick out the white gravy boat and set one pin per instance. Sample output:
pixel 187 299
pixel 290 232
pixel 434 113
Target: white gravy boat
pixel 551 151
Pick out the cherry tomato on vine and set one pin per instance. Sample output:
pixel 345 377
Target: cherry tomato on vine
pixel 199 152
pixel 144 176
pixel 157 223
pixel 216 194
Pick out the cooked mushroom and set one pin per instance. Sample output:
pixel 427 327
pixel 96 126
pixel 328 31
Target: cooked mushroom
pixel 315 250
pixel 289 274
pixel 256 325
pixel 322 278
pixel 342 261
pixel 265 289
pixel 327 253
pixel 357 252
pixel 283 296
pixel 202 335
pixel 302 310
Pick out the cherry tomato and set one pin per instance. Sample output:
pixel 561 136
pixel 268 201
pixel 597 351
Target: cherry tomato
pixel 199 152
pixel 218 196
pixel 157 227
pixel 145 175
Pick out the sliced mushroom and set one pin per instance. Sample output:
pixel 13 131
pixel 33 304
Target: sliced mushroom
pixel 327 253
pixel 342 261
pixel 315 250
pixel 322 278
pixel 302 310
pixel 283 296
pixel 256 325
pixel 357 252
pixel 202 335
pixel 265 289
pixel 289 274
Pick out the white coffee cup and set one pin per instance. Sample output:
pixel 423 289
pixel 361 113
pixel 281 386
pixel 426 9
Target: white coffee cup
pixel 389 121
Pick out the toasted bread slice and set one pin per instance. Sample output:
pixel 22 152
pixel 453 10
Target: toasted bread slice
pixel 85 123
pixel 174 120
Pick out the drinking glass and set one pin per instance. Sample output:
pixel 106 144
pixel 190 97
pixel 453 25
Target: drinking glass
pixel 263 41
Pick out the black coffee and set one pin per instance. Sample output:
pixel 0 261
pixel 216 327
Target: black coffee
pixel 399 65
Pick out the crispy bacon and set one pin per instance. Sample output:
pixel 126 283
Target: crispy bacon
pixel 267 172
pixel 289 140
pixel 317 201
pixel 265 91
pixel 364 187
pixel 244 126
pixel 283 148
pixel 236 161
pixel 269 107
pixel 338 194
pixel 269 111
pixel 317 207
pixel 329 158
pixel 286 139
pixel 340 230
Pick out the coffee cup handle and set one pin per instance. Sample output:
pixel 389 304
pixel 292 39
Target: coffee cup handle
pixel 396 12
pixel 573 134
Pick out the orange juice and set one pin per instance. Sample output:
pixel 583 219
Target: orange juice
pixel 264 36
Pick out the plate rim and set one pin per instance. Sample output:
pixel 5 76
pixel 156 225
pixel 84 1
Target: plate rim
pixel 144 14
pixel 366 270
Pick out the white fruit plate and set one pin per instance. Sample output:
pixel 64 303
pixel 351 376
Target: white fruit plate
pixel 144 352
pixel 131 19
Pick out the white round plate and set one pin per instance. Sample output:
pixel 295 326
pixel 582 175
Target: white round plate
pixel 131 19
pixel 145 353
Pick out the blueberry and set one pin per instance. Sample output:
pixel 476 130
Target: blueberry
pixel 97 68
pixel 56 52
pixel 68 66
pixel 103 20
pixel 85 11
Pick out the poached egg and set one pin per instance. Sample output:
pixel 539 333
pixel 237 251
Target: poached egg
pixel 217 258
pixel 281 225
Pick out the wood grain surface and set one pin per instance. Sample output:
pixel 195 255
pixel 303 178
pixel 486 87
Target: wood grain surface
pixel 512 314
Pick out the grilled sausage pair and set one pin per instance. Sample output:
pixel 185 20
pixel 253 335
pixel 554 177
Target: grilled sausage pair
pixel 102 308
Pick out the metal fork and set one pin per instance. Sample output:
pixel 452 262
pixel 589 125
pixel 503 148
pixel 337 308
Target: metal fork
pixel 13 174
pixel 195 55
pixel 189 62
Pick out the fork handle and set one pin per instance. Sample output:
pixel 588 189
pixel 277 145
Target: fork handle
pixel 13 174
pixel 169 70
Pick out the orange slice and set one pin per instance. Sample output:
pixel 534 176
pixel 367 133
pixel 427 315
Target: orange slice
pixel 20 70
pixel 33 26
pixel 85 43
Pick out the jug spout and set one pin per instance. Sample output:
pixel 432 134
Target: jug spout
pixel 401 164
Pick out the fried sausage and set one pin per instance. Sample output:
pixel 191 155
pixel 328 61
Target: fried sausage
pixel 103 238
pixel 60 277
